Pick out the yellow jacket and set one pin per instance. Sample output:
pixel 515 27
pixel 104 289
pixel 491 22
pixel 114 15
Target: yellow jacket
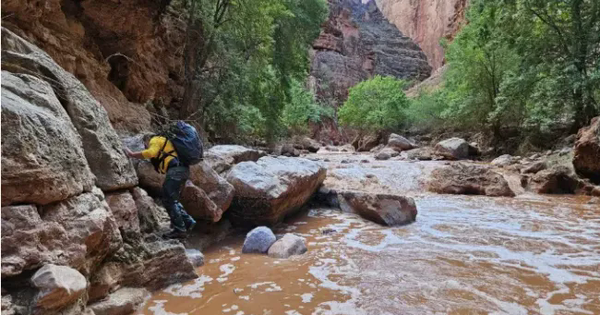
pixel 154 150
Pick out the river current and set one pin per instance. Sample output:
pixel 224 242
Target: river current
pixel 464 255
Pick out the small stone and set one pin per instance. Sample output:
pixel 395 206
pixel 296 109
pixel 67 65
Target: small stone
pixel 58 285
pixel 288 245
pixel 258 240
pixel 195 256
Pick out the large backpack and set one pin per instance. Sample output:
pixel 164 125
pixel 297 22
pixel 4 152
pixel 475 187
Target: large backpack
pixel 186 141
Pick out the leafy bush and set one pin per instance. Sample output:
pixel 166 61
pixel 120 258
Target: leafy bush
pixel 374 105
pixel 302 109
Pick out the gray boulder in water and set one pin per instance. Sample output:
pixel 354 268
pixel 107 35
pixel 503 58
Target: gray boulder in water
pixel 288 245
pixel 453 148
pixel 258 240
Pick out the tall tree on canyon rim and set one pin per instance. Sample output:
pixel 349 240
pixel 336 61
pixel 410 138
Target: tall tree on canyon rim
pixel 243 54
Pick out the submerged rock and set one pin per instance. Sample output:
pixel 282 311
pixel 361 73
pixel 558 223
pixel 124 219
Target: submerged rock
pixel 288 245
pixel 384 209
pixel 271 188
pixel 586 159
pixel 258 240
pixel 469 179
pixel 58 285
pixel 195 256
pixel 453 148
pixel 122 302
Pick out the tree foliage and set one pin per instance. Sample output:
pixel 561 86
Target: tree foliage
pixel 374 105
pixel 250 52
pixel 531 65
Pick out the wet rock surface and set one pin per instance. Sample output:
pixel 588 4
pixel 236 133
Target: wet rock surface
pixel 288 245
pixel 259 240
pixel 469 179
pixel 384 209
pixel 271 188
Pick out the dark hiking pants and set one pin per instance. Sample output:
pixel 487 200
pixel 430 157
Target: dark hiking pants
pixel 177 175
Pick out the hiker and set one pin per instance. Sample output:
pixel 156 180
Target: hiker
pixel 172 153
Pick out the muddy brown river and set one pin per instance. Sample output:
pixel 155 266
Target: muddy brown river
pixel 465 255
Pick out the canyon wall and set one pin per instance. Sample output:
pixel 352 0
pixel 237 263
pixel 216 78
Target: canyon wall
pixel 426 22
pixel 127 53
pixel 356 43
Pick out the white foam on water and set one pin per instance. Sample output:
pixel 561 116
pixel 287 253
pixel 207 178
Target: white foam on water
pixel 193 290
pixel 159 308
pixel 226 270
pixel 307 297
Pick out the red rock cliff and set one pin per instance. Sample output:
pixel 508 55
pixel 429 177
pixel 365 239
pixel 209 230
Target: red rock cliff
pixel 126 52
pixel 426 22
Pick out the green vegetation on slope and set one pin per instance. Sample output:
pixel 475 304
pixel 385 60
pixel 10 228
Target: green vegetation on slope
pixel 526 65
pixel 374 105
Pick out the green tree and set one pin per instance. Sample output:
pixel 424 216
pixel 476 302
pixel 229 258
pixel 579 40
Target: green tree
pixel 375 105
pixel 247 53
pixel 302 109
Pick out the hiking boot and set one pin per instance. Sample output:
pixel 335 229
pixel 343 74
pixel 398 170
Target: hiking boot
pixel 191 226
pixel 175 234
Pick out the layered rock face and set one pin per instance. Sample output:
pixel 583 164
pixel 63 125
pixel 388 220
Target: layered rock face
pixel 124 52
pixel 426 22
pixel 356 43
pixel 70 206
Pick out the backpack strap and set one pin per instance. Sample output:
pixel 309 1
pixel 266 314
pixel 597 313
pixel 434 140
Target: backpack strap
pixel 159 162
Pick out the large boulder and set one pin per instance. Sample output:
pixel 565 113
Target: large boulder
pixel 271 188
pixel 366 143
pixel 101 144
pixel 152 218
pixel 306 143
pixel 399 143
pixel 201 175
pixel 384 209
pixel 42 159
pixel 222 157
pixel 197 204
pixel 259 240
pixel 469 179
pixel 453 148
pixel 78 232
pixel 586 158
pixel 122 302
pixel 288 245
pixel 58 286
pixel 559 179
pixel 123 207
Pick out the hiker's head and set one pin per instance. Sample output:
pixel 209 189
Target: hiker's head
pixel 146 138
